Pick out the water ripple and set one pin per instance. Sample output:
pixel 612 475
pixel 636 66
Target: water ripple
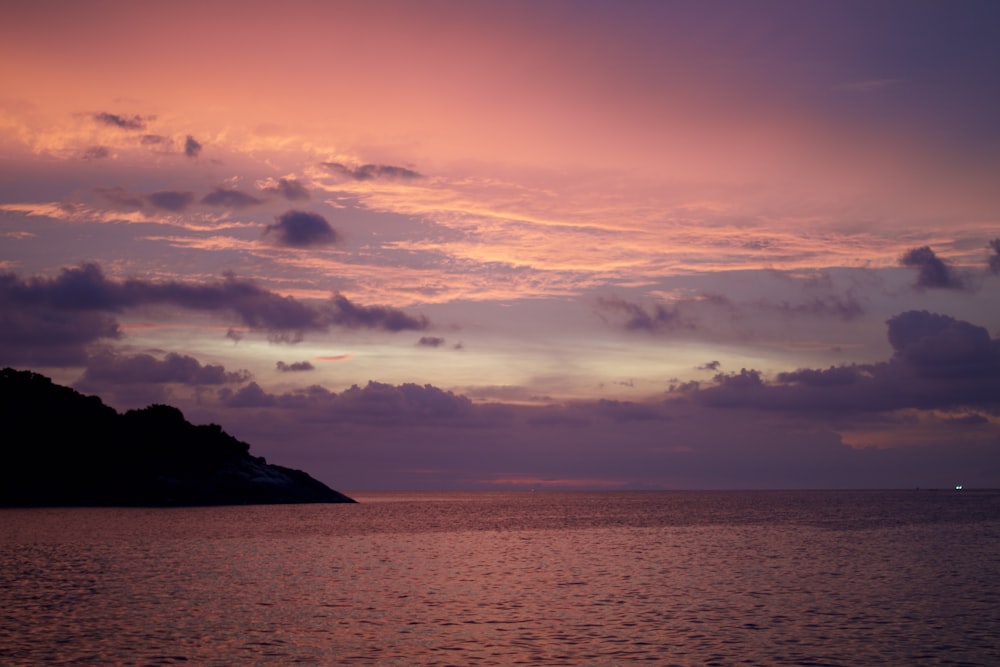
pixel 622 579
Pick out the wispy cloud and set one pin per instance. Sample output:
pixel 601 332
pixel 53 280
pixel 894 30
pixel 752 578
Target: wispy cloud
pixel 133 122
pixel 289 188
pixel 368 172
pixel 656 317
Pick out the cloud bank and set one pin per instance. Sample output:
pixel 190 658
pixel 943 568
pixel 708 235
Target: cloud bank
pixel 54 320
pixel 108 369
pixel 939 363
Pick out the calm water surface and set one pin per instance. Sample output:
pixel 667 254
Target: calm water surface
pixel 685 578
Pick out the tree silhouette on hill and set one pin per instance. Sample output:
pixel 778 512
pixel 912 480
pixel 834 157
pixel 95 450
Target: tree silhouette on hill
pixel 65 448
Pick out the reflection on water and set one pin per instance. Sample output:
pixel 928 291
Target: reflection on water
pixel 499 579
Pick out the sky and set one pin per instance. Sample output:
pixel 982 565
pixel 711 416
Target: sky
pixel 519 245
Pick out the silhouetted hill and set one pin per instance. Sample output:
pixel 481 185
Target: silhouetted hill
pixel 64 448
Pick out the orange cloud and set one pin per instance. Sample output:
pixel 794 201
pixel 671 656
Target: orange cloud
pixel 334 358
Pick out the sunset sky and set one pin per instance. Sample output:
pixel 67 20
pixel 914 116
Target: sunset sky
pixel 492 245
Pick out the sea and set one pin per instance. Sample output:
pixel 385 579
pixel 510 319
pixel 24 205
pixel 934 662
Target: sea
pixel 523 578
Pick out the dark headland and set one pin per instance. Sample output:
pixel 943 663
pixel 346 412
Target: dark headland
pixel 62 448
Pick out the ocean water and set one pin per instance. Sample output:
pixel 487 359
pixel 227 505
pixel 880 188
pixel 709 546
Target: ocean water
pixel 673 578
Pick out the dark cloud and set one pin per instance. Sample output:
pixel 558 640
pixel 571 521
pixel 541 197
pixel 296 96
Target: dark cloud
pixel 191 147
pixel 368 172
pixel 933 273
pixel 34 334
pixel 229 198
pixel 941 346
pixel 289 188
pixel 56 319
pixel 938 363
pixel 96 153
pixel 153 139
pixel 430 341
pixel 170 200
pixel 134 122
pixel 640 318
pixel 378 401
pixel 710 366
pixel 299 229
pixel 39 325
pixel 250 396
pixel 994 260
pixel 109 369
pixel 352 316
pixel 739 385
pixel 835 376
pixel 294 366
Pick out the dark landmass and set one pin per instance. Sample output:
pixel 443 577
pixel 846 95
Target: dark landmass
pixel 62 448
